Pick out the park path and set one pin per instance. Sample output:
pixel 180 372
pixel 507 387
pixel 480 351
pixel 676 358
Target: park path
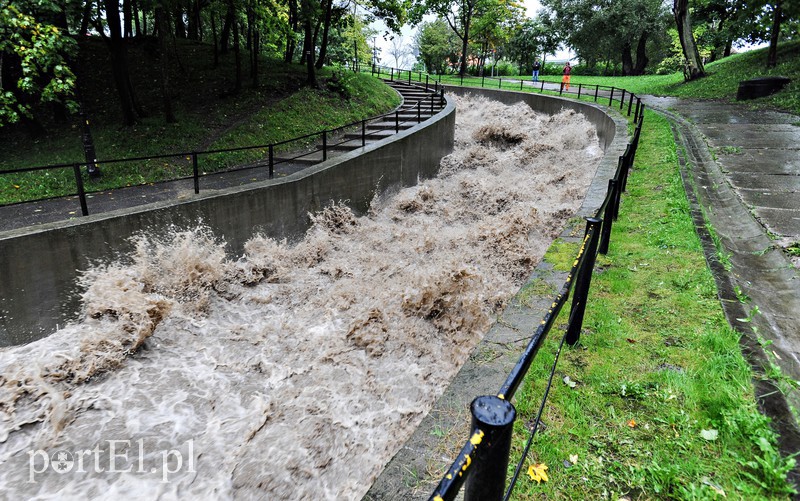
pixel 23 215
pixel 741 171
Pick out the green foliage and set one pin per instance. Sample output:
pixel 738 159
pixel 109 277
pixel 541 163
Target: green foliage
pixel 661 404
pixel 41 50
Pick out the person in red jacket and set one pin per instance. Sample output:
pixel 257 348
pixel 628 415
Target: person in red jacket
pixel 565 78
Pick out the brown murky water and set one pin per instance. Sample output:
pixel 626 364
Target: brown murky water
pixel 297 371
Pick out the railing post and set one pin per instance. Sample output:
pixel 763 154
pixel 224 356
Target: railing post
pixel 630 103
pixel 620 183
pixel 579 90
pixel 596 91
pixel 81 193
pixel 611 96
pixel 409 77
pixel 431 104
pixel 495 418
pixel 636 113
pixel 500 84
pixel 542 87
pixel 426 82
pixel 363 133
pixel 622 100
pixel 419 111
pixel 462 79
pixel 271 161
pixel 396 121
pixel 583 282
pixel 195 174
pixel 392 77
pixel 608 217
pixel 483 79
pixel 324 145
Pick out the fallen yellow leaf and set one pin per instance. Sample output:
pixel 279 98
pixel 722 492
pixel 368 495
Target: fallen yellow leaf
pixel 16 186
pixel 573 458
pixel 632 423
pixel 538 472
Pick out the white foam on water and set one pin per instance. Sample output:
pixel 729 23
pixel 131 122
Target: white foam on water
pixel 297 371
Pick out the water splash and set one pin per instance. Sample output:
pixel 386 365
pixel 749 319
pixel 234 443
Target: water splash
pixel 296 371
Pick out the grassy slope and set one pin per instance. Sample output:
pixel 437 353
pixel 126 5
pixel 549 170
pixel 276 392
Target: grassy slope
pixel 657 365
pixel 209 117
pixel 722 80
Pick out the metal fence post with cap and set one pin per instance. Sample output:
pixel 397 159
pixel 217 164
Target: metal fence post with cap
pixel 520 85
pixel 636 113
pixel 396 121
pixel 596 91
pixel 324 145
pixel 195 174
pixel 579 90
pixel 81 193
pixel 622 100
pixel 419 111
pixel 583 282
pixel 363 133
pixel 611 96
pixel 630 103
pixel 494 417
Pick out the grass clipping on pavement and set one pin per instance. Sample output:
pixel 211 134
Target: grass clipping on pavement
pixel 656 401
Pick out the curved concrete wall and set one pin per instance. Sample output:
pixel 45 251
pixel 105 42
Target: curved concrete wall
pixel 39 265
pixel 612 131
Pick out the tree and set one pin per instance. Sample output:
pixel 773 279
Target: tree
pixel 608 29
pixel 34 63
pixel 436 44
pixel 399 51
pixel 694 64
pixel 459 15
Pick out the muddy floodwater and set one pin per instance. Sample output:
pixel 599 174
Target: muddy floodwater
pixel 298 370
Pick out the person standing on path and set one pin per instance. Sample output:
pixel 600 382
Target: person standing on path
pixel 565 79
pixel 536 67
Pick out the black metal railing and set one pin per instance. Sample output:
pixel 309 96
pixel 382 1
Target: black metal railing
pixel 406 115
pixel 482 463
pixel 597 93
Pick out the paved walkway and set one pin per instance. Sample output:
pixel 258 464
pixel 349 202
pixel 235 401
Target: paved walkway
pixel 741 170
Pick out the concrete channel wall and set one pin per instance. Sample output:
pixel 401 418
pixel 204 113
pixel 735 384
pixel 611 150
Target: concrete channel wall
pixel 39 265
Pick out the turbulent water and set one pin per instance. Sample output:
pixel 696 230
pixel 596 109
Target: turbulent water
pixel 297 371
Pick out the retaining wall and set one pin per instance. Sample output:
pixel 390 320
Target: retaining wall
pixel 39 265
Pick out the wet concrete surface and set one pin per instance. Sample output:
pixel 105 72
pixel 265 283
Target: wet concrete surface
pixel 741 170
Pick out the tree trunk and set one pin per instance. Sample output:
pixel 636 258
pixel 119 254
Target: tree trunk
pixel 693 62
pixel 180 25
pixel 119 63
pixel 627 60
pixel 137 27
pixel 291 43
pixel 641 54
pixel 465 42
pixel 323 46
pixel 85 18
pixel 226 30
pixel 237 54
pixel 728 46
pixel 166 100
pixel 214 35
pixel 777 14
pixel 127 26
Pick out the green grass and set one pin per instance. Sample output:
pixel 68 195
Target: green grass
pixel 211 117
pixel 663 407
pixel 722 80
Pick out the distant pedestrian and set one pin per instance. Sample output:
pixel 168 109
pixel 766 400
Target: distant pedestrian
pixel 536 67
pixel 565 78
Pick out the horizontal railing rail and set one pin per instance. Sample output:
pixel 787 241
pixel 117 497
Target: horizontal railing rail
pixel 432 102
